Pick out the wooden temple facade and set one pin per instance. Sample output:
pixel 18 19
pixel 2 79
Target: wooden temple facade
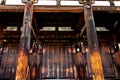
pixel 60 42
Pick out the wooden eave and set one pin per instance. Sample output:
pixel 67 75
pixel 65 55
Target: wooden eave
pixel 65 10
pixel 74 9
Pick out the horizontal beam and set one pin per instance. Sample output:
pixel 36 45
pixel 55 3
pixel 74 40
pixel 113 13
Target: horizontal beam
pixel 10 33
pixel 52 36
pixel 57 33
pixel 40 33
pixel 74 9
pixel 45 33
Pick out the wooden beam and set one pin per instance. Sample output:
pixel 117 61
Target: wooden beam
pixel 82 30
pixel 57 33
pixel 40 32
pixel 73 9
pixel 10 32
pixel 35 24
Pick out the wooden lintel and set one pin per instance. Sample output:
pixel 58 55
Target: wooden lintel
pixel 74 9
pixel 39 32
pixel 53 32
pixel 57 33
pixel 10 32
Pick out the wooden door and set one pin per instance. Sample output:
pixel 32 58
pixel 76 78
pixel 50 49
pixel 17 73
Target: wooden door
pixel 57 61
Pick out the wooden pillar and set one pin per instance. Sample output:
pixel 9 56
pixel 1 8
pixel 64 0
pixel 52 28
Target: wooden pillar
pixel 95 57
pixel 58 2
pixel 22 72
pixel 111 2
pixel 3 2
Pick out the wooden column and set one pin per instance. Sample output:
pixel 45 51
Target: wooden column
pixel 22 72
pixel 96 62
pixel 3 2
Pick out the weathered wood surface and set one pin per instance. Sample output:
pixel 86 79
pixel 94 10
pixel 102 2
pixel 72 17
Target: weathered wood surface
pixel 95 58
pixel 22 72
pixel 74 9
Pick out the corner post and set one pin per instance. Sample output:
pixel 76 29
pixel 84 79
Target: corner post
pixel 95 57
pixel 22 70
